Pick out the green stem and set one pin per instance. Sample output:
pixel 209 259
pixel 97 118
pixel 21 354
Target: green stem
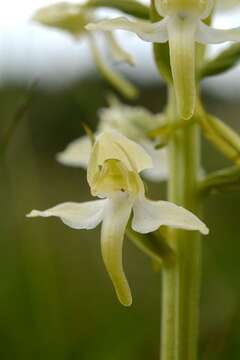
pixel 181 282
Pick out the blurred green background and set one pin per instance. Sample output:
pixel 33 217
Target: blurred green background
pixel 56 300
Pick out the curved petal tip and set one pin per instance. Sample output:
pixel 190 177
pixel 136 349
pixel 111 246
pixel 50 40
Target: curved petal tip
pixel 126 300
pixel 34 213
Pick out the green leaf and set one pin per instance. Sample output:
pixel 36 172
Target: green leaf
pixel 130 7
pixel 19 115
pixel 226 60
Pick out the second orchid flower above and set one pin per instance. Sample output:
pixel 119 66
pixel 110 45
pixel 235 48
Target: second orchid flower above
pixel 182 25
pixel 132 121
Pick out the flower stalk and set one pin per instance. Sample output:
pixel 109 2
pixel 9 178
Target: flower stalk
pixel 181 282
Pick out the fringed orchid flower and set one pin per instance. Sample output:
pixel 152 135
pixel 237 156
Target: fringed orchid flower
pixel 133 122
pixel 182 25
pixel 72 18
pixel 114 176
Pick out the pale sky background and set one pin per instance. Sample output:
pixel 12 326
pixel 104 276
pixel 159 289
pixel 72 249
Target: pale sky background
pixel 29 51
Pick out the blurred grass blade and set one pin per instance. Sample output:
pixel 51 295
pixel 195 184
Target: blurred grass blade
pixel 226 60
pixel 130 7
pixel 16 119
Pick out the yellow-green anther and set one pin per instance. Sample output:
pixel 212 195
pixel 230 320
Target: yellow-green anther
pixel 112 176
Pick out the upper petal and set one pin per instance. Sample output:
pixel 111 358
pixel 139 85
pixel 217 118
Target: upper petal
pixel 113 145
pixel 153 32
pixel 150 215
pixel 85 215
pixel 208 35
pixel 77 153
pixel 114 224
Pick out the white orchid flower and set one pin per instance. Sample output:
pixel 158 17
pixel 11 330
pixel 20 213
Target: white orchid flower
pixel 182 26
pixel 113 176
pixel 131 121
pixel 72 18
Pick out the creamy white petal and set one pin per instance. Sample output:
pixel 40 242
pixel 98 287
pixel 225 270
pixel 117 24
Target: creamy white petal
pixel 117 52
pixel 86 215
pixel 153 32
pixel 150 215
pixel 208 35
pixel 115 220
pixel 182 56
pixel 77 153
pixel 113 145
pixel 159 171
